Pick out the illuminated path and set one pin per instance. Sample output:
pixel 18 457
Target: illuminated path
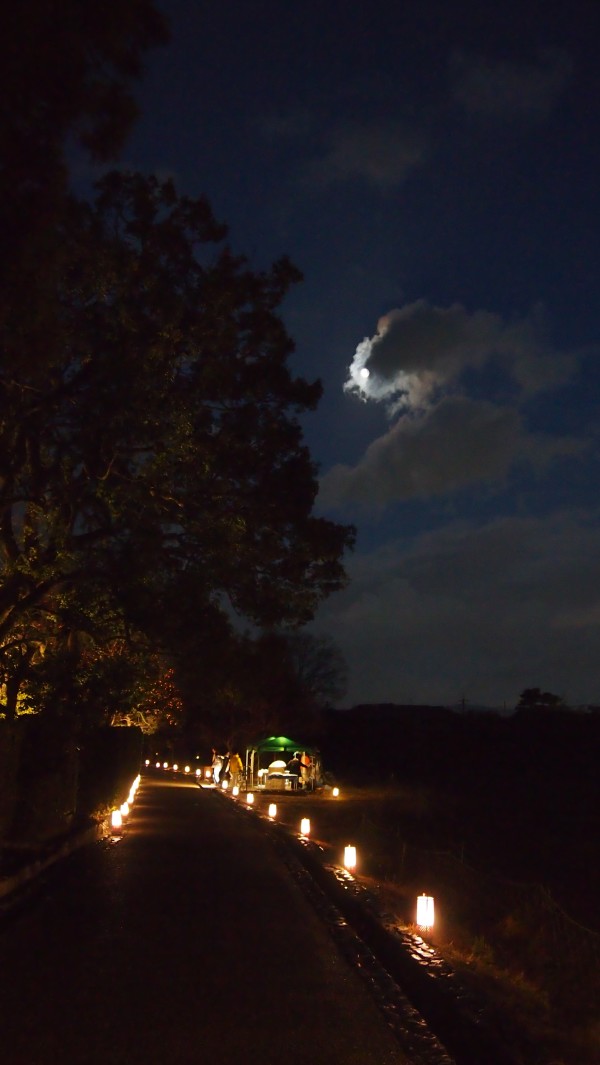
pixel 187 941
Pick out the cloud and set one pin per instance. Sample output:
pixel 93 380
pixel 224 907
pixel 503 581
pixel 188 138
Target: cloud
pixel 420 349
pixel 482 612
pixel 451 428
pixel 381 154
pixel 508 89
pixel 456 444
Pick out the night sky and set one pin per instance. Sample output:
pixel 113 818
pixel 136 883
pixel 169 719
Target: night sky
pixel 433 169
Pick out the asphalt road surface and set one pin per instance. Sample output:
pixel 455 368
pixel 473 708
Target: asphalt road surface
pixel 187 941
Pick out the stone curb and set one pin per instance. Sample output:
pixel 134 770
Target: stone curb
pixel 11 884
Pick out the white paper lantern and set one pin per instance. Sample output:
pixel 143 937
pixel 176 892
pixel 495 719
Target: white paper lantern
pixel 425 911
pixel 349 857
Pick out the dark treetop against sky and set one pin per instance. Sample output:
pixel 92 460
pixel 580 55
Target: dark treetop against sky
pixel 433 168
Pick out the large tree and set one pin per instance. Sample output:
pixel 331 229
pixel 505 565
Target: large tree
pixel 152 468
pixel 156 450
pixel 67 86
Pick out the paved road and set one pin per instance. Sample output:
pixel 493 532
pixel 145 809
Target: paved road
pixel 187 941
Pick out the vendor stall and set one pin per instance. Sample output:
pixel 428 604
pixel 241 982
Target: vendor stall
pixel 281 764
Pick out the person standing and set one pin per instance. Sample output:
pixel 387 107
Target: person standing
pixel 295 767
pixel 224 775
pixel 217 765
pixel 236 767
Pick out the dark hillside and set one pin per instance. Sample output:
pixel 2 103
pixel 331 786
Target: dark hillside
pixel 518 796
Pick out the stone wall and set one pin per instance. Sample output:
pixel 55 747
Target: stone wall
pixel 52 777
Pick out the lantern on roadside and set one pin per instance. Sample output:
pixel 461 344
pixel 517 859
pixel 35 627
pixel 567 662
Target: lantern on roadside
pixel 187 769
pixel 116 820
pixel 235 790
pixel 425 912
pixel 124 809
pixel 250 798
pixel 335 792
pixel 349 857
pixel 305 826
pixel 272 810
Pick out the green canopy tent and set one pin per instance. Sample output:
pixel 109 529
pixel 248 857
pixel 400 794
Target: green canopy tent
pixel 261 756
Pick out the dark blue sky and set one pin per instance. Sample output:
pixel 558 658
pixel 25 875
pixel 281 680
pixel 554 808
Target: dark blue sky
pixel 433 168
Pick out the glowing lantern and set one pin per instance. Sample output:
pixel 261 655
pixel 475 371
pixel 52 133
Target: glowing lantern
pixel 349 857
pixel 250 798
pixel 147 761
pixel 425 911
pixel 187 769
pixel 305 826
pixel 272 810
pixel 224 784
pixel 335 792
pixel 198 773
pixel 124 809
pixel 175 767
pixel 158 765
pixel 116 820
pixel 207 774
pixel 165 765
pixel 235 790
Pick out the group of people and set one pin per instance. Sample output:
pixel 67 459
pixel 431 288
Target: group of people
pixel 228 766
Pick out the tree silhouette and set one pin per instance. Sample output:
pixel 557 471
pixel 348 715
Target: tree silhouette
pixel 536 699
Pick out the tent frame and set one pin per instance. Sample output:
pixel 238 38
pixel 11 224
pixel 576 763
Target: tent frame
pixel 256 763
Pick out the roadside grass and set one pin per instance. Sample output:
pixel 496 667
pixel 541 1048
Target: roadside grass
pixel 537 971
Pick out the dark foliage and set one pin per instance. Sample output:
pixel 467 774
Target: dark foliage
pixel 152 468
